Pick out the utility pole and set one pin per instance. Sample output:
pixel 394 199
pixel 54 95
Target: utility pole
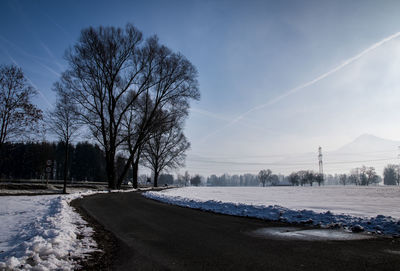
pixel 48 171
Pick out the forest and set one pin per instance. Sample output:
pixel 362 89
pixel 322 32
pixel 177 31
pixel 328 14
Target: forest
pixel 29 161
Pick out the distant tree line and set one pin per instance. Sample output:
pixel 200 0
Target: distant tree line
pixel 232 180
pixel 28 161
pixel 360 176
pixel 305 177
pixel 181 180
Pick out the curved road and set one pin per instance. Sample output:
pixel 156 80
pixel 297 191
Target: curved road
pixel 156 236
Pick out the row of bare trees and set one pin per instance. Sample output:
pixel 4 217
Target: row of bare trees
pixel 304 177
pixel 360 176
pixel 128 94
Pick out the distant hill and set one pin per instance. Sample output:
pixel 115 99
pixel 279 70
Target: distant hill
pixel 369 143
pixel 366 150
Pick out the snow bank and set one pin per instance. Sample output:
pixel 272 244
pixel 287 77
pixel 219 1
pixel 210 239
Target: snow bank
pixel 43 233
pixel 256 202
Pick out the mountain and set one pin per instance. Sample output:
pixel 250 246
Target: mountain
pixel 368 150
pixel 367 143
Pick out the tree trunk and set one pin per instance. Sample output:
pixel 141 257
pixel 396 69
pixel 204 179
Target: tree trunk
pixel 110 168
pixel 124 170
pixel 155 179
pixel 65 168
pixel 135 169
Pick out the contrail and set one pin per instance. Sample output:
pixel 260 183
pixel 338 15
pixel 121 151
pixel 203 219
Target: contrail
pixel 307 84
pixel 50 53
pixel 36 58
pixel 27 78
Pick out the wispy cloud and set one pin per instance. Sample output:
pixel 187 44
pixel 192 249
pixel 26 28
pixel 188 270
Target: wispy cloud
pixel 36 59
pixel 66 33
pixel 305 85
pixel 27 78
pixel 51 55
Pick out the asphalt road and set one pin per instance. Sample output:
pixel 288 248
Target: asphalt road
pixel 156 236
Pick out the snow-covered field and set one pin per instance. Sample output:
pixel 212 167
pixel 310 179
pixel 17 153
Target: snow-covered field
pixel 373 208
pixel 42 233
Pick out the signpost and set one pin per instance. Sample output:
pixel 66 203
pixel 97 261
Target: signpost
pixel 48 171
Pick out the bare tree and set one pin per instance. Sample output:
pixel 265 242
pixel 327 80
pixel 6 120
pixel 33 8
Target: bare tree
pixel 264 176
pixel 165 149
pixel 19 118
pixel 343 179
pixel 109 69
pixel 354 177
pixel 310 177
pixel 274 179
pixel 294 178
pixel 319 178
pixel 180 180
pixel 63 121
pixel 183 180
pixel 368 175
pixel 142 120
pixel 195 180
pixel 363 176
pixel 303 177
pixel 176 84
pixel 186 178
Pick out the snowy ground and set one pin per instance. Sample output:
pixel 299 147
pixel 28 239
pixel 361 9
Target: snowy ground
pixel 42 233
pixel 373 208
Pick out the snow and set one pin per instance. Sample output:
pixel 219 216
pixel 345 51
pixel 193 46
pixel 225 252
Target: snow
pixel 43 233
pixel 308 234
pixel 375 209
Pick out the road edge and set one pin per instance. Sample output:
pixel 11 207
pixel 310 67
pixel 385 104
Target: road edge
pixel 107 244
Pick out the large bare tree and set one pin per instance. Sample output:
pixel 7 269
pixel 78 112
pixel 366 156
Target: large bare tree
pixel 19 118
pixel 63 121
pixel 110 69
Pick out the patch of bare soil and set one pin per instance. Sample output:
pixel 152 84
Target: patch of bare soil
pixel 106 243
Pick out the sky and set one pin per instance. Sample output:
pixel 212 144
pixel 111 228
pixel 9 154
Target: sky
pixel 277 78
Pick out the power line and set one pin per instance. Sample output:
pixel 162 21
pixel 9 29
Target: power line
pixel 286 164
pixel 330 153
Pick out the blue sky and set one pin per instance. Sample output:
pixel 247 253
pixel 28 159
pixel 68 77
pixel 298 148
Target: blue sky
pixel 247 54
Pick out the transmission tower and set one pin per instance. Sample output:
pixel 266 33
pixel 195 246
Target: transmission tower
pixel 321 169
